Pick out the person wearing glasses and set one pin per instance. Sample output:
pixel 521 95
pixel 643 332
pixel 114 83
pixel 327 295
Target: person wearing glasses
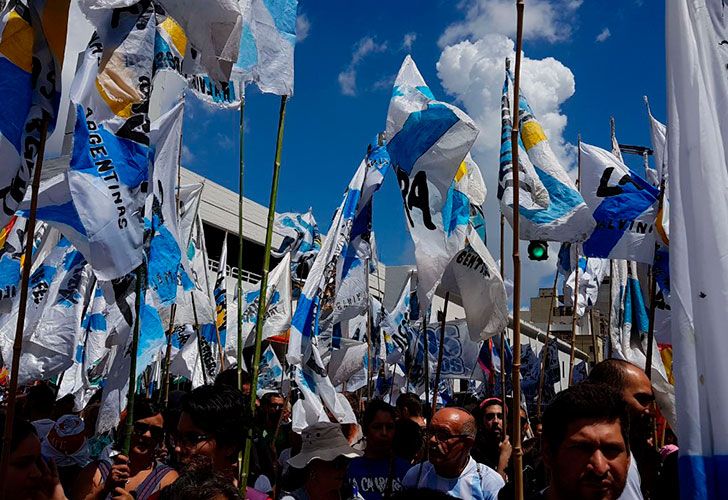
pixel 378 474
pixel 138 475
pixel 450 468
pixel 325 454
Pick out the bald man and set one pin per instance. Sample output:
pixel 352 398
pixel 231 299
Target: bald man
pixel 451 469
pixel 636 391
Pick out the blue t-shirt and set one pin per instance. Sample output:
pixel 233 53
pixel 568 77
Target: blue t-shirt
pixel 369 476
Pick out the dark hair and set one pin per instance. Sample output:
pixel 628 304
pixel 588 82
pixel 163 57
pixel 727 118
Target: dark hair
pixel 21 430
pixel 219 410
pixel 410 402
pixel 41 398
pixel 370 413
pixel 408 439
pixel 611 372
pixel 265 399
pixel 229 377
pixel 583 401
pixel 144 408
pixel 199 481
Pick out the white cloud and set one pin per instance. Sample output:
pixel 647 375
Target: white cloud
pixel 364 47
pixel 409 39
pixel 385 82
pixel 473 72
pixel 303 27
pixel 549 20
pixel 603 35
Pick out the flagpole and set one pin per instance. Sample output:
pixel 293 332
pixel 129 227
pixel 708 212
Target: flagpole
pixel 440 353
pixel 20 325
pixel 369 335
pixel 199 339
pixel 542 378
pixel 516 371
pixel 426 358
pixel 609 315
pixel 168 354
pixel 505 330
pixel 595 344
pixel 129 427
pixel 239 284
pixel 575 301
pixel 653 294
pixel 263 289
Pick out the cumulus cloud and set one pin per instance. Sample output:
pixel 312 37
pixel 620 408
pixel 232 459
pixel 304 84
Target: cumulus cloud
pixel 549 20
pixel 473 72
pixel 603 35
pixel 409 39
pixel 364 47
pixel 303 27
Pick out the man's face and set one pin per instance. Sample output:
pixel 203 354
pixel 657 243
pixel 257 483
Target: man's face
pixel 446 442
pixel 591 463
pixel 637 392
pixel 190 440
pixel 273 409
pixel 493 421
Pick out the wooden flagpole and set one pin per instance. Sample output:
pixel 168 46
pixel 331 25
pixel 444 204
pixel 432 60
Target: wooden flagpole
pixel 575 302
pixel 426 358
pixel 544 364
pixel 503 334
pixel 20 325
pixel 263 290
pixel 595 344
pixel 516 371
pixel 168 355
pixel 440 353
pixel 239 283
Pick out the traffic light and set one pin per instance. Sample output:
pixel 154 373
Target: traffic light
pixel 538 250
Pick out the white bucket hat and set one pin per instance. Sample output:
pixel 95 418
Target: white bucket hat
pixel 322 441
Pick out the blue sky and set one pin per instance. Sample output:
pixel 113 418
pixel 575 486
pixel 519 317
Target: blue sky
pixel 329 122
pixel 583 63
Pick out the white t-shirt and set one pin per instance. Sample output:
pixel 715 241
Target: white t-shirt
pixel 632 490
pixel 476 482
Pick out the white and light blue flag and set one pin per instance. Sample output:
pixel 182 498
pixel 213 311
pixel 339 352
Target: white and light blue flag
pixel 592 271
pixel 697 97
pixel 623 205
pixel 301 237
pixel 267 45
pixel 551 207
pixel 32 46
pixel 428 141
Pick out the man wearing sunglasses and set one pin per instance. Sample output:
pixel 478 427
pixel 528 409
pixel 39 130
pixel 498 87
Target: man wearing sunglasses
pixel 450 468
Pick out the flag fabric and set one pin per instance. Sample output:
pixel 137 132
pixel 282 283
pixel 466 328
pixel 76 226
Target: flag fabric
pixel 109 169
pixel 196 307
pixel 335 284
pixel 348 365
pixel 58 293
pixel 550 206
pixel 460 353
pixel 623 205
pixel 270 373
pixel 301 237
pixel 485 359
pixel 580 372
pixel 220 293
pixel 188 362
pixel 592 272
pixel 474 277
pixel 32 46
pixel 697 137
pixel 90 365
pixel 166 254
pixel 267 45
pixel 553 368
pixel 658 136
pixel 429 141
pixel 628 333
pixel 278 310
pixel 530 371
pixel 498 363
pixel 12 244
pixel 396 323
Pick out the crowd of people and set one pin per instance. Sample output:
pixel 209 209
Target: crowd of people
pixel 595 440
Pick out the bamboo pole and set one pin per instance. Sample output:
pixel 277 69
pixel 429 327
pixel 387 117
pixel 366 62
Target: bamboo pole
pixel 263 290
pixel 369 336
pixel 240 251
pixel 426 368
pixel 20 325
pixel 440 352
pixel 544 364
pixel 593 335
pixel 168 354
pixel 575 302
pixel 516 371
pixel 503 334
pixel 129 427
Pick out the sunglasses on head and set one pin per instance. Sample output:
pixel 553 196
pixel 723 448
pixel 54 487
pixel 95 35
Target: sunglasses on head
pixel 140 428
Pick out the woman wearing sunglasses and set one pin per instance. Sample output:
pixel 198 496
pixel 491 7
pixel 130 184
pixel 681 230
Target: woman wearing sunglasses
pixel 137 476
pixel 324 457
